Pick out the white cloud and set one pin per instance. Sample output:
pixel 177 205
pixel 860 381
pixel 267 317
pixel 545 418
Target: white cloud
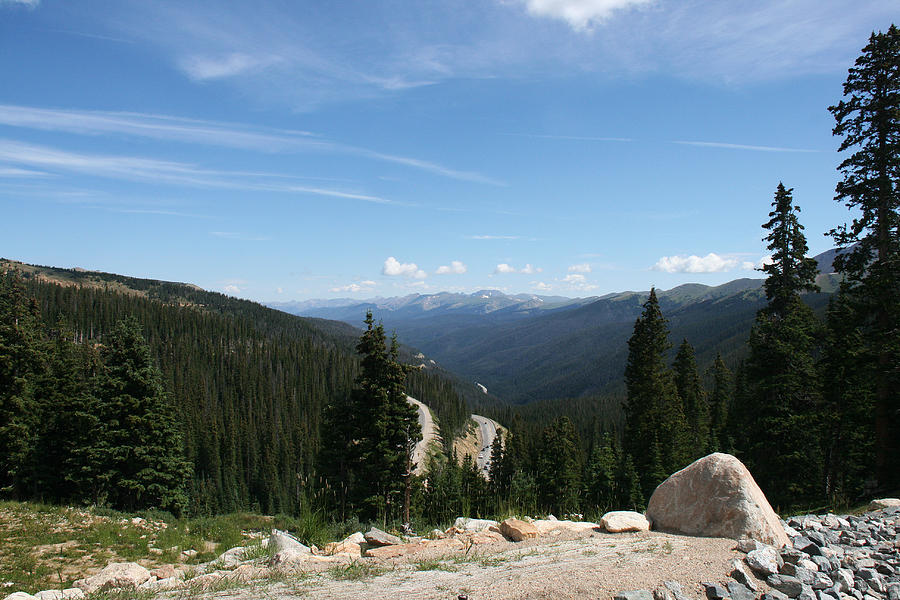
pixel 203 68
pixel 756 266
pixel 362 286
pixel 576 278
pixel 394 268
pixel 231 289
pixel 456 268
pixel 582 268
pixel 279 290
pixel 541 286
pixel 528 269
pixel 580 14
pixel 27 3
pixel 13 172
pixel 711 263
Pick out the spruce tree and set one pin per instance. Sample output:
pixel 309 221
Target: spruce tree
pixel 696 408
pixel 781 434
pixel 719 403
pixel 21 364
pixel 653 410
pixel 868 120
pixel 140 445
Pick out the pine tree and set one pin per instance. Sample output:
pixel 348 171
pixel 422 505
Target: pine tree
pixel 848 399
pixel 868 119
pixel 696 408
pixel 601 491
pixel 652 407
pixel 140 446
pixel 781 434
pixel 21 364
pixel 790 272
pixel 384 426
pixel 719 402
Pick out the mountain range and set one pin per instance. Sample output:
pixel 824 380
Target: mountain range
pixel 527 347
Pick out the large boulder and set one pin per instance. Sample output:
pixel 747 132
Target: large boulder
pixel 467 525
pixel 621 521
pixel 518 530
pixel 715 496
pixel 882 503
pixel 286 549
pixel 115 576
pixel 377 537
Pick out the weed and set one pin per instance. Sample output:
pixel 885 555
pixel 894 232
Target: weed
pixel 435 565
pixel 121 594
pixel 356 570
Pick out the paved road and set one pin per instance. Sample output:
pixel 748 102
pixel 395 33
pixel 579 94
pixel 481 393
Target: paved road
pixel 487 431
pixel 429 435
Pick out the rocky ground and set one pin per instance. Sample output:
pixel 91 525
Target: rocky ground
pixel 830 557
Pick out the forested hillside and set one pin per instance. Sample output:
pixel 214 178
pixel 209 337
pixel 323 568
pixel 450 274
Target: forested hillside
pixel 249 383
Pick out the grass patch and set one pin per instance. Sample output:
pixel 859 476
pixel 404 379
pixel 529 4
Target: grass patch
pixel 121 595
pixel 435 565
pixel 356 571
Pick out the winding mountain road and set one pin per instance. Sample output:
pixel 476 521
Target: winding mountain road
pixel 487 431
pixel 429 435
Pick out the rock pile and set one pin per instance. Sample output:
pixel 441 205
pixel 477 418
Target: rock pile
pixel 828 557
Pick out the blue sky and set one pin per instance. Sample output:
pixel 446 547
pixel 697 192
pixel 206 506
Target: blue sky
pixel 292 150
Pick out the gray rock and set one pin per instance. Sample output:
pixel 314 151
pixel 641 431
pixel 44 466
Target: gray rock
pixel 774 594
pixel 669 590
pixel 377 537
pixel 634 595
pixel 113 576
pixel 804 575
pixel 807 593
pixel 821 581
pixel 786 584
pixel 746 545
pixel 739 591
pixel 822 595
pixel 714 591
pixel 740 574
pixel 844 578
pixel 763 561
pixel 286 549
pixel 821 563
pixel 893 591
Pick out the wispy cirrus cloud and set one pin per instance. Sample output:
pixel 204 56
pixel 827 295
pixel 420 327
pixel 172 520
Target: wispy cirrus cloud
pixel 729 146
pixel 160 171
pixel 25 3
pixel 197 131
pixel 220 67
pixel 236 235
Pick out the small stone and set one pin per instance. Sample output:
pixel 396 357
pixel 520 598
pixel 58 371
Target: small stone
pixel 738 591
pixel 746 545
pixel 807 593
pixel 634 595
pixel 786 584
pixel 669 590
pixel 714 591
pixel 763 561
pixel 774 594
pixel 845 579
pixel 739 574
pixel 893 591
pixel 821 581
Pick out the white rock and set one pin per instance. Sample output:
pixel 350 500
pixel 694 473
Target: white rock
pixel 232 557
pixel 286 549
pixel 619 521
pixel 884 503
pixel 467 525
pixel 715 496
pixel 763 561
pixel 19 596
pixel 113 576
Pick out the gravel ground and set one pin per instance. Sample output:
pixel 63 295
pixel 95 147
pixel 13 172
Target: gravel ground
pixel 563 566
